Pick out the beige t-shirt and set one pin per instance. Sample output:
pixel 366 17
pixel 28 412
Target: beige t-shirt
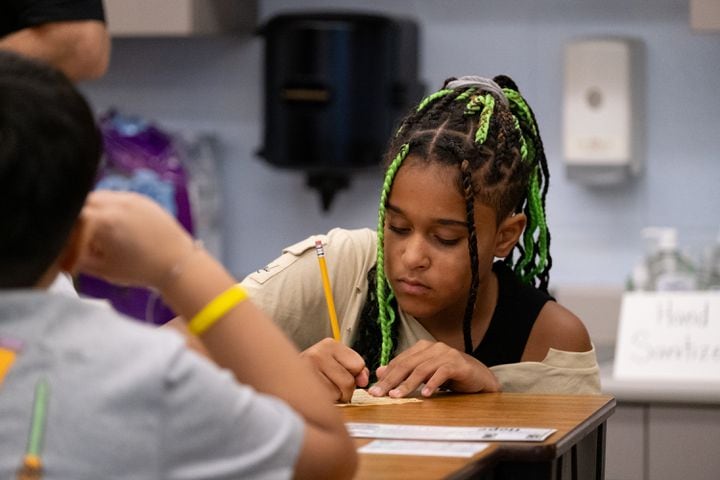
pixel 290 290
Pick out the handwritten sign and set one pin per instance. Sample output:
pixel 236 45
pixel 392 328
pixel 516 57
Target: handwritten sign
pixel 669 336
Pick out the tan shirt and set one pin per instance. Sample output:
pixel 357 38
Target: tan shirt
pixel 289 289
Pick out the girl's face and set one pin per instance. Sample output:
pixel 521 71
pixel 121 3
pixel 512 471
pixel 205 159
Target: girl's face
pixel 426 252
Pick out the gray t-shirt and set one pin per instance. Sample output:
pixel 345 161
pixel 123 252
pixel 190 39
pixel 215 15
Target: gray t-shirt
pixel 131 402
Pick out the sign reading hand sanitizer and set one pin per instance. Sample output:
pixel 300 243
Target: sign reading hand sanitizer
pixel 669 336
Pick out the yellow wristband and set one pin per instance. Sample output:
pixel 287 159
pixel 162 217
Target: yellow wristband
pixel 216 309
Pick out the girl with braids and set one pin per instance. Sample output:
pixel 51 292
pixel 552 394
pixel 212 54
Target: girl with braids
pixel 452 290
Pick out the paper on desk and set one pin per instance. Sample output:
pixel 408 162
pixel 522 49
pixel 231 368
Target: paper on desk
pixel 361 397
pixel 415 447
pixel 428 432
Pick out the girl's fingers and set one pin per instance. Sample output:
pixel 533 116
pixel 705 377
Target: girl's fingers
pixel 397 371
pixel 340 365
pixel 363 378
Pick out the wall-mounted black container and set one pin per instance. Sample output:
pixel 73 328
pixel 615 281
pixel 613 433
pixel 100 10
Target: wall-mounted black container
pixel 335 86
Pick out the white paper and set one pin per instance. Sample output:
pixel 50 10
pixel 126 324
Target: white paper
pixel 423 448
pixel 669 336
pixel 428 432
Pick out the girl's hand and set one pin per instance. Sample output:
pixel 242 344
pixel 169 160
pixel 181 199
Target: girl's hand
pixel 129 239
pixel 435 364
pixel 342 369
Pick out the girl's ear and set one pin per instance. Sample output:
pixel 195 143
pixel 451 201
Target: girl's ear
pixel 508 234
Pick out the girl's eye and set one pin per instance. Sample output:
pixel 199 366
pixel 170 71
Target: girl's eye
pixel 398 230
pixel 448 241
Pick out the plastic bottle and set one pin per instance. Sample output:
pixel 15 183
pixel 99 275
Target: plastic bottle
pixel 711 268
pixel 639 279
pixel 668 269
pixel 201 161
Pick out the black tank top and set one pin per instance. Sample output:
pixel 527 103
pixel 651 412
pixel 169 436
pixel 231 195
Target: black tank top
pixel 518 306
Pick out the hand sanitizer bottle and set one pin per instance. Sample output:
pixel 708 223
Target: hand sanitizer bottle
pixel 711 269
pixel 669 270
pixel 639 279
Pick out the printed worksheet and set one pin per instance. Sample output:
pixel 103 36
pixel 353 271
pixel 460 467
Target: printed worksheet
pixel 424 448
pixel 429 432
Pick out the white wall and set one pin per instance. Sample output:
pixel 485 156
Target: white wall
pixel 215 84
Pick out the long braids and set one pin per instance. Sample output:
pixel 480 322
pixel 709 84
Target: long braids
pixel 384 294
pixel 534 263
pixel 501 163
pixel 488 103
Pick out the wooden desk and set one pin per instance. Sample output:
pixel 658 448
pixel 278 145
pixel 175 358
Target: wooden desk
pixel 576 450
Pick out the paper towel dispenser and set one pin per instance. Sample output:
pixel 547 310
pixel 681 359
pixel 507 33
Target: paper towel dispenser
pixel 335 86
pixel 602 109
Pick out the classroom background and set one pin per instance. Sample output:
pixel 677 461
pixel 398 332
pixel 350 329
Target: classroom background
pixel 211 86
pixel 214 84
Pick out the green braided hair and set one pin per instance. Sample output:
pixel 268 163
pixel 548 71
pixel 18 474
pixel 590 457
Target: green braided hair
pixel 534 261
pixel 487 130
pixel 386 316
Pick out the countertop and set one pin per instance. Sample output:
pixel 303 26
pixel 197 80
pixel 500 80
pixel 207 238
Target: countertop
pixel 654 391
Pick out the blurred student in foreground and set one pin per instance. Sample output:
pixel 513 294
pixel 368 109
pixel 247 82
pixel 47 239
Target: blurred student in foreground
pixel 86 393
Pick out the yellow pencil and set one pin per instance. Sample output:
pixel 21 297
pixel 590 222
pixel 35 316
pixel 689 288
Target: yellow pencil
pixel 328 291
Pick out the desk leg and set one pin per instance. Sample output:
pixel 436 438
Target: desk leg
pixel 588 456
pixel 584 461
pixel 600 452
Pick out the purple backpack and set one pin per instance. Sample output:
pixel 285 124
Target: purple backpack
pixel 142 158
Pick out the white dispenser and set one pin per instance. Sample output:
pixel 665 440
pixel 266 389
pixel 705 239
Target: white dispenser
pixel 601 110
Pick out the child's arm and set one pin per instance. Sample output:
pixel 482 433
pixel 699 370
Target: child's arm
pixel 131 240
pixel 555 327
pixel 436 364
pixel 340 368
pixel 80 48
